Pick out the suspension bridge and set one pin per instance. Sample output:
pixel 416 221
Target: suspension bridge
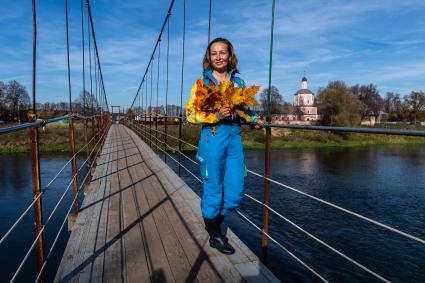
pixel 133 218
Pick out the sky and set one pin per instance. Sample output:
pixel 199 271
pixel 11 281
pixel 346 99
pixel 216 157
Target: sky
pixel 357 41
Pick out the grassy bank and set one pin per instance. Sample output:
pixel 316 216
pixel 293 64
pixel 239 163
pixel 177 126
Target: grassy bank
pixel 289 138
pixel 54 138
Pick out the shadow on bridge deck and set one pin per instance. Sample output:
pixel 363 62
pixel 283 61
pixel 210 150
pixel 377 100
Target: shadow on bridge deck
pixel 140 222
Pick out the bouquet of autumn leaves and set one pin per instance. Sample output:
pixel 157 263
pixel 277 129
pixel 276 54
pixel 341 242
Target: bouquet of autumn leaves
pixel 211 99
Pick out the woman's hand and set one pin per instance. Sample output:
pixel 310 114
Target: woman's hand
pixel 258 124
pixel 224 112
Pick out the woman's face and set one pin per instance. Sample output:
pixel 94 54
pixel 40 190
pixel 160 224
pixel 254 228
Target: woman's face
pixel 219 56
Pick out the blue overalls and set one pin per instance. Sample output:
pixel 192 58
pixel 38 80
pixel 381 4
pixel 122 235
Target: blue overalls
pixel 222 164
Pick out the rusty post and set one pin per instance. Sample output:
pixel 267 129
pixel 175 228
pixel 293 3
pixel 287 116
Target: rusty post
pixel 156 130
pixel 180 144
pixel 266 193
pixel 93 132
pixel 86 140
pixel 36 191
pixel 165 137
pixel 74 163
pixel 150 129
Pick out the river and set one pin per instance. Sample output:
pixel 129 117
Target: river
pixel 384 183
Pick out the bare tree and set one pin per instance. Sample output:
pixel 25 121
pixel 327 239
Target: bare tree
pixel 276 100
pixel 17 97
pixel 416 103
pixel 2 98
pixel 371 100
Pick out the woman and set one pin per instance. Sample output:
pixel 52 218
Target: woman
pixel 220 151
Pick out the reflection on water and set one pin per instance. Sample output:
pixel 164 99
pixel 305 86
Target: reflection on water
pixel 383 183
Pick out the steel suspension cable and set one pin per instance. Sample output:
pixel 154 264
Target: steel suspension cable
pixel 67 57
pixel 157 77
pixel 97 51
pixel 154 50
pixel 84 50
pixel 209 23
pixel 91 79
pixel 320 241
pixel 182 79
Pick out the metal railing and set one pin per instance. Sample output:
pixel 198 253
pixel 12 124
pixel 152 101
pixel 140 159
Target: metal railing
pixel 141 128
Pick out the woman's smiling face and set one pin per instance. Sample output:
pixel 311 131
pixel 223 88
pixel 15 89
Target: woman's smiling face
pixel 219 55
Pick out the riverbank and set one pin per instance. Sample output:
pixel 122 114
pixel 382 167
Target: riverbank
pixel 54 138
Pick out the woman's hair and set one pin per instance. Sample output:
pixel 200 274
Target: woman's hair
pixel 233 60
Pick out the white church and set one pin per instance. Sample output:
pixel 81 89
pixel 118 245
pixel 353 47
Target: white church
pixel 305 111
pixel 304 106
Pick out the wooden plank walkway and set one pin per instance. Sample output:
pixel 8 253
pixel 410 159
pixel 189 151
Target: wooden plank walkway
pixel 139 222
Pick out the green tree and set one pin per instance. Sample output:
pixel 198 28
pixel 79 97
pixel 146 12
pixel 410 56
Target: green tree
pixel 276 100
pixel 338 105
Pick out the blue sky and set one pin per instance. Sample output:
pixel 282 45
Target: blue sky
pixel 374 41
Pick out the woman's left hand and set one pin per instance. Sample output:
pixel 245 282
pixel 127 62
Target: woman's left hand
pixel 258 124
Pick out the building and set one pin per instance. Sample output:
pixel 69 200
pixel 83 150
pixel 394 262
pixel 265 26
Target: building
pixel 304 106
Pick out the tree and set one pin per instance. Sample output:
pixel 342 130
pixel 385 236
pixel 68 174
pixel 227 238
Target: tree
pixel 130 114
pixel 2 98
pixel 17 97
pixel 275 100
pixel 416 104
pixel 393 106
pixel 86 100
pixel 371 101
pixel 338 105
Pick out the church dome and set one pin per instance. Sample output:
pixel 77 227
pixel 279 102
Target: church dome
pixel 304 79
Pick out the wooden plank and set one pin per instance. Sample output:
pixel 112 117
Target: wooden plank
pixel 71 255
pixel 113 265
pixel 160 269
pixel 92 254
pixel 176 256
pixel 137 268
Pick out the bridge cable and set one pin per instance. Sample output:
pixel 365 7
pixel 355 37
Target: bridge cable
pixel 84 62
pixel 67 57
pixel 151 58
pixel 97 51
pixel 34 58
pixel 91 79
pixel 157 78
pixel 209 23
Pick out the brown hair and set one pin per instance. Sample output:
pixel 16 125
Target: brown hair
pixel 233 59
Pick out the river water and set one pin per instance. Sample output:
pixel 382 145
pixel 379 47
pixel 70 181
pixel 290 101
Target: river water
pixel 384 183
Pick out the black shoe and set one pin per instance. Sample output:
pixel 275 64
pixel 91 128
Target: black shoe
pixel 216 239
pixel 220 220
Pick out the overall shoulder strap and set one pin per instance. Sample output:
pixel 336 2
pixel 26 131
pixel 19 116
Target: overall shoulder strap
pixel 239 82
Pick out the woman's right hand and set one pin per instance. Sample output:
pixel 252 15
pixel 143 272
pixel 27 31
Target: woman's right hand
pixel 224 112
